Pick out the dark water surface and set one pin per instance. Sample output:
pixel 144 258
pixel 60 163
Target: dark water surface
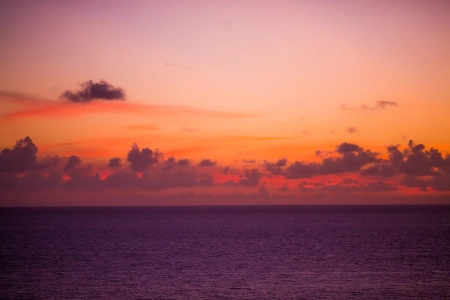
pixel 259 252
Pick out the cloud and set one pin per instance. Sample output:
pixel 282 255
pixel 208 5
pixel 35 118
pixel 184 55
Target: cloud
pixel 249 161
pixel 140 160
pixel 347 147
pixel 226 170
pixel 379 186
pixel 169 64
pixel 378 105
pixel 122 180
pixel 251 177
pixel 351 129
pixel 230 183
pixel 183 162
pixel 72 163
pixel 382 169
pixel 205 180
pixel 425 168
pixel 263 191
pixel 21 158
pixel 144 127
pixel 187 129
pixel 276 167
pixel 301 170
pixel 410 181
pixel 44 108
pixel 94 90
pixel 305 131
pixel 417 161
pixel 115 162
pixel 207 163
pixel 348 162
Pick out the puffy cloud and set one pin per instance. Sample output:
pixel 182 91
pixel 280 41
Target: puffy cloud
pixel 94 90
pixel 348 162
pixel 140 160
pixel 183 162
pixel 122 180
pixel 207 163
pixel 347 147
pixel 417 161
pixel 301 170
pixel 115 162
pixel 352 129
pixel 226 170
pixel 276 167
pixel 72 163
pixel 379 170
pixel 251 177
pixel 21 158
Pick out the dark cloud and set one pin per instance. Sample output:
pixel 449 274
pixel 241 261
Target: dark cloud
pixel 379 186
pixel 226 170
pixel 168 180
pixel 230 183
pixel 418 161
pixel 440 183
pixel 122 180
pixel 348 162
pixel 284 188
pixel 251 177
pixel 276 167
pixel 382 169
pixel 410 181
pixel 33 181
pixel 140 160
pixel 207 163
pixel 115 162
pixel 301 170
pixel 21 158
pixel 249 161
pixel 263 191
pixel 72 163
pixel 352 130
pixel 80 181
pixel 90 90
pixel 205 180
pixel 347 147
pixel 49 162
pixel 183 162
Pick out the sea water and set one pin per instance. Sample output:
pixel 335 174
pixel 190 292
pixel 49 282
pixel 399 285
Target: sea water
pixel 236 252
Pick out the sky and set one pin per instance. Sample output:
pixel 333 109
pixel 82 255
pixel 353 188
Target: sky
pixel 185 102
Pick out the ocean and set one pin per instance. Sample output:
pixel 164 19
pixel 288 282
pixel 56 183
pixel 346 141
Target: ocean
pixel 220 252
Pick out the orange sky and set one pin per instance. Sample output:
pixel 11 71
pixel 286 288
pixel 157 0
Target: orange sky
pixel 241 83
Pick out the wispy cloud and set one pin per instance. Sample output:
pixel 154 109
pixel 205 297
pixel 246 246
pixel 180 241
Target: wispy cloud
pixel 28 106
pixel 144 127
pixel 378 105
pixel 187 129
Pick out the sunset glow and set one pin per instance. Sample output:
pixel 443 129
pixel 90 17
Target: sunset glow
pixel 224 102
